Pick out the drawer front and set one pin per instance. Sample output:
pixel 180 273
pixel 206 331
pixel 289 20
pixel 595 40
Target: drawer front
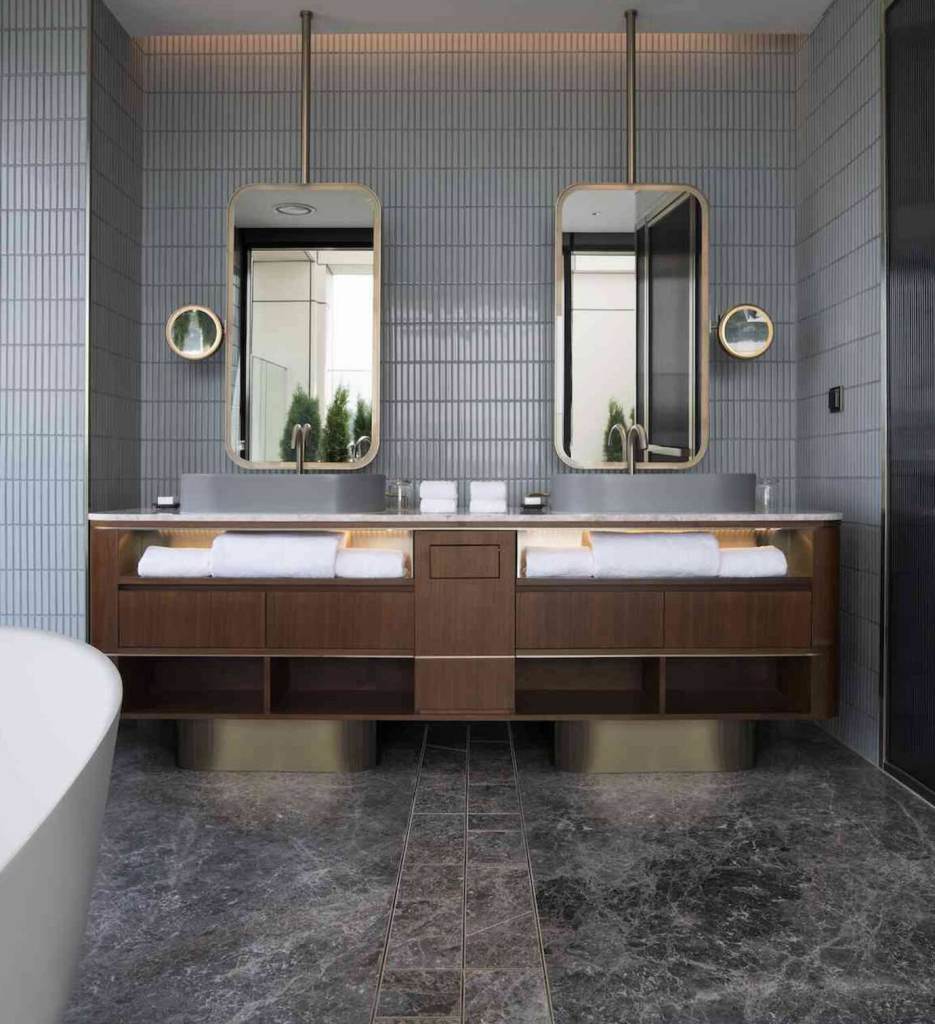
pixel 738 619
pixel 340 620
pixel 225 619
pixel 464 561
pixel 454 685
pixel 464 585
pixel 588 619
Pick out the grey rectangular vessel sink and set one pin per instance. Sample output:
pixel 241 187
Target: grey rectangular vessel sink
pixel 277 493
pixel 671 493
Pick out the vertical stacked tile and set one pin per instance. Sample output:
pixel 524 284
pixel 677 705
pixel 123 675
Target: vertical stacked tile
pixel 839 264
pixel 468 139
pixel 43 287
pixel 115 243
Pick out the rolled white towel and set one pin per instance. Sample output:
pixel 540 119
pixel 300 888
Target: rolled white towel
pixel 488 490
pixel 488 506
pixel 277 555
pixel 763 561
pixel 370 563
pixel 438 489
pixel 438 506
pixel 188 563
pixel 565 563
pixel 655 555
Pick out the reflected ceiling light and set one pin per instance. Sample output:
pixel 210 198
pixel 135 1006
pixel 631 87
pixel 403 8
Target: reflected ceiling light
pixel 295 209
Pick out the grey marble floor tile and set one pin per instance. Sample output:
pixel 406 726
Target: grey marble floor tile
pixel 496 893
pixel 487 797
pixel 441 794
pixel 442 881
pixel 513 942
pixel 418 993
pixel 496 848
pixel 493 822
pixel 505 997
pixel 436 839
pixel 420 1020
pixel 440 760
pixel 426 933
pixel 448 734
pixel 492 774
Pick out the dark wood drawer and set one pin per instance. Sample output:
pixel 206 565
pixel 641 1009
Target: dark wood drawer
pixel 209 619
pixel 454 685
pixel 338 619
pixel 581 619
pixel 738 619
pixel 464 561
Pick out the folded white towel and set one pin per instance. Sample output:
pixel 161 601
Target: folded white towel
pixel 438 489
pixel 178 562
pixel 763 561
pixel 488 506
pixel 370 563
pixel 439 506
pixel 655 555
pixel 566 563
pixel 488 490
pixel 286 555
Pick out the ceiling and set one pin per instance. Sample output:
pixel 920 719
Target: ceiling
pixel 184 17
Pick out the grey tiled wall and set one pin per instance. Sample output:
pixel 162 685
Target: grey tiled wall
pixel 468 139
pixel 117 108
pixel 839 264
pixel 43 200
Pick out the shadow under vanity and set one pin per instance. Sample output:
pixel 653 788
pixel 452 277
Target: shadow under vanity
pixel 466 633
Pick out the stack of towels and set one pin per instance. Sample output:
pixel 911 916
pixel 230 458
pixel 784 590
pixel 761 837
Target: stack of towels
pixel 438 497
pixel 488 497
pixel 653 556
pixel 274 556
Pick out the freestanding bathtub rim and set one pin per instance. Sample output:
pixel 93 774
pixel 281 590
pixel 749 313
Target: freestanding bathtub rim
pixel 48 651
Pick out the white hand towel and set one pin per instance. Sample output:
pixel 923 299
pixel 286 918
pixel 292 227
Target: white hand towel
pixel 433 489
pixel 566 563
pixel 438 506
pixel 488 490
pixel 488 506
pixel 749 562
pixel 655 555
pixel 188 563
pixel 276 555
pixel 370 563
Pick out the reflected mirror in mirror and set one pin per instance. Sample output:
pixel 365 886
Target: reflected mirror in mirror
pixel 631 305
pixel 194 332
pixel 746 332
pixel 304 296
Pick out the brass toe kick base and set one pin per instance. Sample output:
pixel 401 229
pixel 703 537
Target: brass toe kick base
pixel 246 745
pixel 682 746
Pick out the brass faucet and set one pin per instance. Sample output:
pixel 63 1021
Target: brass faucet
pixel 629 435
pixel 299 437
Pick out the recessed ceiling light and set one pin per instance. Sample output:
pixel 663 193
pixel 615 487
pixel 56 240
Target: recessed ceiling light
pixel 295 209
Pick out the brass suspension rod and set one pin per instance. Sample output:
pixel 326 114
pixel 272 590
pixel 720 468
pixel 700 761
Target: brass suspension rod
pixel 306 17
pixel 630 17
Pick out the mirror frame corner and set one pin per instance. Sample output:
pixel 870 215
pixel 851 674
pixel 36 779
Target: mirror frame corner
pixel 228 385
pixel 704 320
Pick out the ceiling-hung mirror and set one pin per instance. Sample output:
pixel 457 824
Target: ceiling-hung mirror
pixel 304 325
pixel 631 326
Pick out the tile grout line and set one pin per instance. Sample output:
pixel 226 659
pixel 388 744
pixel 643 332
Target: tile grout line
pixel 532 879
pixel 399 877
pixel 464 881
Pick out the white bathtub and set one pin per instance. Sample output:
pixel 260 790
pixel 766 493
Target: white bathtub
pixel 59 706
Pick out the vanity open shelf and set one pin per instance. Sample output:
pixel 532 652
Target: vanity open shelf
pixel 467 635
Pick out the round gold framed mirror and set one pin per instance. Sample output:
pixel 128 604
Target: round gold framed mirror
pixel 194 332
pixel 745 331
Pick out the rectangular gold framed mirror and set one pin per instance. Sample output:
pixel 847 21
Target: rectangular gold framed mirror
pixel 303 326
pixel 631 326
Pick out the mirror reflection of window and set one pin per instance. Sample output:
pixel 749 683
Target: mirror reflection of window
pixel 309 333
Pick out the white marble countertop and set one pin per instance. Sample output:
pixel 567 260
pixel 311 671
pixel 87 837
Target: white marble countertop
pixel 415 520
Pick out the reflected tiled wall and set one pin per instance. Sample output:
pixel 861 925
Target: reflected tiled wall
pixel 43 200
pixel 468 139
pixel 117 108
pixel 839 261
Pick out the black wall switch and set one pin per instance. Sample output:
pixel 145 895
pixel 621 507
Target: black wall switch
pixel 835 399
